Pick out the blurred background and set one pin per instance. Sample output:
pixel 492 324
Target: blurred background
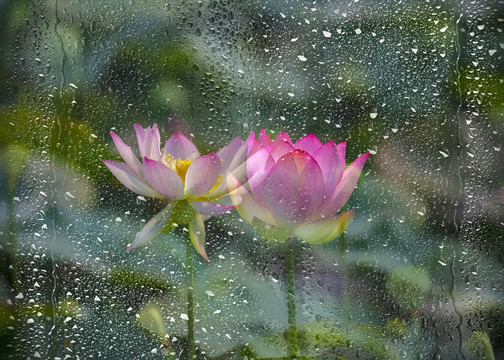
pixel 419 274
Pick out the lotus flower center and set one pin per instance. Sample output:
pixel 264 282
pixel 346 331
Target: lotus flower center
pixel 180 167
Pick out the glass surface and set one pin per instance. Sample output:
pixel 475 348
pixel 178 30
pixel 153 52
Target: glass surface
pixel 418 274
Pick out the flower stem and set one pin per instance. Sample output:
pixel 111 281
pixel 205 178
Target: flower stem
pixel 343 247
pixel 291 299
pixel 190 298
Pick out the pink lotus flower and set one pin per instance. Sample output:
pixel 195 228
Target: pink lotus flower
pixel 297 188
pixel 178 172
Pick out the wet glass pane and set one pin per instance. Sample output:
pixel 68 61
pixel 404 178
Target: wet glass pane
pixel 411 266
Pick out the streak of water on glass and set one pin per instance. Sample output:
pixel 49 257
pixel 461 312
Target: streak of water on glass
pixel 459 119
pixel 53 332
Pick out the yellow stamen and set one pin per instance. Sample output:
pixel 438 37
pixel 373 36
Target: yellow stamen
pixel 217 183
pixel 177 165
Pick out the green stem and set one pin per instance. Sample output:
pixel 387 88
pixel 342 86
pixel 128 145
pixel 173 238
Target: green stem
pixel 190 298
pixel 343 268
pixel 291 299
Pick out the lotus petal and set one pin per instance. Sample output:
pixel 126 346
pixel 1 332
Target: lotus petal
pixel 232 180
pixel 258 167
pixel 293 189
pixel 202 175
pixel 253 145
pixel 153 227
pixel 128 156
pixel 140 133
pixel 210 209
pixel 180 147
pixel 310 143
pixel 197 235
pixel 248 208
pixel 280 148
pixel 239 157
pixel 264 139
pixel 325 230
pixel 283 136
pixel 269 232
pixel 331 159
pixel 345 187
pixel 163 179
pixel 152 143
pixel 128 178
pixel 229 152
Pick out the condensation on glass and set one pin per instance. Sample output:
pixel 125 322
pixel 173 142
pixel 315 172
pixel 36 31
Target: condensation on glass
pixel 419 274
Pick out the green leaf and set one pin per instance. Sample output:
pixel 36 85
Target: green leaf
pixel 69 308
pixel 325 340
pixel 136 280
pixel 327 336
pixel 15 157
pixel 396 327
pixel 408 286
pixel 150 320
pixel 478 346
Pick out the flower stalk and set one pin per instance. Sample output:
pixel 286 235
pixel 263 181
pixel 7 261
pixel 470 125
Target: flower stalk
pixel 190 298
pixel 291 299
